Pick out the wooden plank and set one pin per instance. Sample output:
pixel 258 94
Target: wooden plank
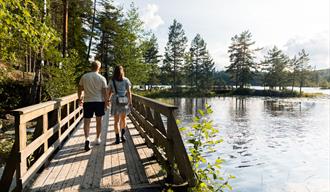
pixel 45 128
pixel 98 172
pixel 107 171
pixel 115 169
pixel 84 162
pixel 75 168
pixel 155 134
pixel 33 108
pixel 122 164
pixel 139 169
pixel 158 122
pixel 179 151
pixel 144 158
pixel 41 180
pixel 67 165
pixel 157 106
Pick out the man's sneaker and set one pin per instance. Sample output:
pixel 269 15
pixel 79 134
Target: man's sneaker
pixel 87 146
pixel 97 141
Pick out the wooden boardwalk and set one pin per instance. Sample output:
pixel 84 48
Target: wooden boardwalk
pixel 129 166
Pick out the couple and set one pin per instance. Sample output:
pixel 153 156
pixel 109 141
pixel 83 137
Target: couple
pixel 96 99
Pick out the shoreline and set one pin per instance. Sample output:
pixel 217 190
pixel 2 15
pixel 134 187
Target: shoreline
pixel 226 93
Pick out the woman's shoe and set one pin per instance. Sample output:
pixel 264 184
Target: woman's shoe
pixel 123 138
pixel 117 138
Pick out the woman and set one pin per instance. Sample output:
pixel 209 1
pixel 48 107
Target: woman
pixel 121 100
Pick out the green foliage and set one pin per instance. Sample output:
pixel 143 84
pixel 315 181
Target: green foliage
pixel 275 65
pixel 12 95
pixel 21 27
pixel 151 57
pixel 199 66
pixel 174 54
pixel 62 78
pixel 120 41
pixel 242 59
pixel 5 148
pixel 202 139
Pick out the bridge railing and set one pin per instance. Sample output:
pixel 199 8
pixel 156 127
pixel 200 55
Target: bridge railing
pixel 156 123
pixel 52 122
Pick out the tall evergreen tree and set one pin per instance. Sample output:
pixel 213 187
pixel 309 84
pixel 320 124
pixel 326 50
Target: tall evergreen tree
pixel 201 66
pixel 174 54
pixel 129 47
pixel 242 56
pixel 151 57
pixel 276 65
pixel 109 26
pixel 301 69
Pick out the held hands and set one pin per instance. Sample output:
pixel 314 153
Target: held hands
pixel 81 102
pixel 106 105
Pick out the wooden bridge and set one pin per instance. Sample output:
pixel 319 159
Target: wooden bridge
pixel 53 159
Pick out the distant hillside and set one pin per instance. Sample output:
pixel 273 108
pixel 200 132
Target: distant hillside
pixel 324 73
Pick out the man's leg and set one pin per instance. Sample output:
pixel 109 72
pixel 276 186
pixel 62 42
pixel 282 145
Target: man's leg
pixel 87 122
pixel 88 114
pixel 98 129
pixel 99 112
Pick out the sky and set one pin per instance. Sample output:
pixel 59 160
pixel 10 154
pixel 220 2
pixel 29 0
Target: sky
pixel 291 25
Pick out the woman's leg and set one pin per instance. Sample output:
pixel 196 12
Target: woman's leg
pixel 122 120
pixel 122 126
pixel 116 119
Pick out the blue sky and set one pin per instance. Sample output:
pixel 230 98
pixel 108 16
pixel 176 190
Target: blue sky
pixel 289 24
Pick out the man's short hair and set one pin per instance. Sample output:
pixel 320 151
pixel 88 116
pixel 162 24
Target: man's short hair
pixel 96 64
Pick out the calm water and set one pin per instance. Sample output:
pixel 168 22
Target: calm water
pixel 270 144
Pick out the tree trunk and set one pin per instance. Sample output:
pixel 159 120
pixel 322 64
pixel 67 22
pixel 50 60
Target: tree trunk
pixel 65 27
pixel 91 36
pixel 36 87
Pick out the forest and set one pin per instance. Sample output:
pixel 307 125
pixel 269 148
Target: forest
pixel 45 46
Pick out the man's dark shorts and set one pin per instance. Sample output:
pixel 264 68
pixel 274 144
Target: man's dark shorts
pixel 93 107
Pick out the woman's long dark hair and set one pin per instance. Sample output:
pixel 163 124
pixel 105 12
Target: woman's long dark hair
pixel 118 73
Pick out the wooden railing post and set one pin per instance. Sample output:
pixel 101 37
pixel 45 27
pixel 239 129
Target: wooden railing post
pixel 45 128
pixel 20 139
pixel 166 143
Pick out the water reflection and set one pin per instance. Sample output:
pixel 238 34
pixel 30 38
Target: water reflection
pixel 269 142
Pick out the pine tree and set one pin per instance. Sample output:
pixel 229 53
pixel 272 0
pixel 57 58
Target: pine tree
pixel 275 65
pixel 108 28
pixel 174 54
pixel 129 47
pixel 151 57
pixel 301 68
pixel 201 67
pixel 242 58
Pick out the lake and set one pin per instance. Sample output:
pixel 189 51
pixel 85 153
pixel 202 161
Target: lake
pixel 270 144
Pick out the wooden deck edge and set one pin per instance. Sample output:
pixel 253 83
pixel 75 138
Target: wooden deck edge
pixel 122 188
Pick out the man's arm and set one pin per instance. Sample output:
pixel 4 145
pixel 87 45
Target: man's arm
pixel 105 96
pixel 80 89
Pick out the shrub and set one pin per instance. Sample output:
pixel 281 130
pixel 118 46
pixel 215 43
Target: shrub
pixel 201 140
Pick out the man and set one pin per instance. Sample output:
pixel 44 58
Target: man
pixel 94 100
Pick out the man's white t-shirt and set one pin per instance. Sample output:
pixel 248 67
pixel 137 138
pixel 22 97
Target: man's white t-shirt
pixel 93 83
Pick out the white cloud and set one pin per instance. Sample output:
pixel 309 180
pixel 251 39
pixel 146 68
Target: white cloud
pixel 151 18
pixel 317 46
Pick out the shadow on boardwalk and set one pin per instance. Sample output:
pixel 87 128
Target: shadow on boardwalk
pixel 128 166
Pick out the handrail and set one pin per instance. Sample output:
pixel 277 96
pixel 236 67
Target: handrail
pixel 55 120
pixel 164 139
